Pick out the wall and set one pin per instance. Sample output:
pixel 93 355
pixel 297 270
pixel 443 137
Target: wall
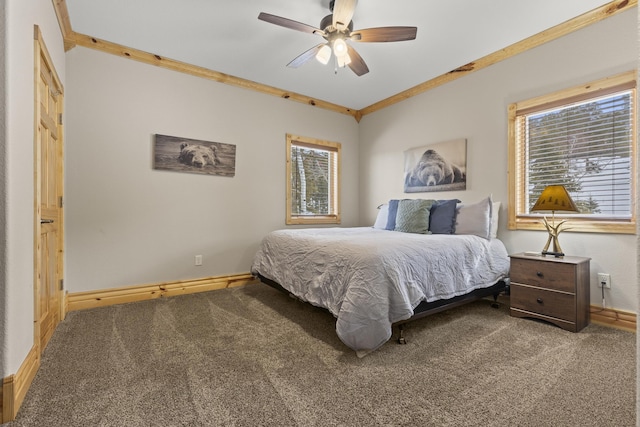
pixel 475 107
pixel 128 224
pixel 20 18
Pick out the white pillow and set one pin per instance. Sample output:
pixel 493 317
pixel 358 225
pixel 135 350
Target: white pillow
pixel 383 216
pixel 495 212
pixel 475 218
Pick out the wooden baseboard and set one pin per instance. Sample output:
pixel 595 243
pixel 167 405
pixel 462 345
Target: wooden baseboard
pixel 105 297
pixel 615 318
pixel 15 387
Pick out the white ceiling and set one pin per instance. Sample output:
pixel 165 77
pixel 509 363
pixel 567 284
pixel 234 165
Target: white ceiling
pixel 226 36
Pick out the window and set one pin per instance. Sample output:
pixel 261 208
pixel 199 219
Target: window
pixel 585 139
pixel 313 175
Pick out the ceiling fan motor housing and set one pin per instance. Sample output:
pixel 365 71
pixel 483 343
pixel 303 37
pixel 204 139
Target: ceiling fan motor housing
pixel 327 22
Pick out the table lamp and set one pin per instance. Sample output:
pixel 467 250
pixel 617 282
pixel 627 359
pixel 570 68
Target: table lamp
pixel 554 198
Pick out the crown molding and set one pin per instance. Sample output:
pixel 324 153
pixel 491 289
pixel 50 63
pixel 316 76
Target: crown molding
pixel 72 39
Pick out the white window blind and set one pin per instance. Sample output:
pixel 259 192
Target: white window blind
pixel 585 145
pixel 312 177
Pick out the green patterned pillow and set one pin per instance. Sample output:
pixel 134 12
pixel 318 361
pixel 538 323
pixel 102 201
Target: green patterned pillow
pixel 413 216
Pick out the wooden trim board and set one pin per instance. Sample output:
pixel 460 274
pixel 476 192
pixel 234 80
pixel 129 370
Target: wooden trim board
pixel 618 319
pixel 106 297
pixel 560 30
pixel 64 21
pixel 194 70
pixel 102 298
pixel 15 387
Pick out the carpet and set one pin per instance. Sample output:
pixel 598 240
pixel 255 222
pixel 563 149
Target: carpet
pixel 252 356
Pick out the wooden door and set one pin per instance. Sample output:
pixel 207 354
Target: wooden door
pixel 49 307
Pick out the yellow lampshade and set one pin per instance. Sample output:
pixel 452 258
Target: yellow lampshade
pixel 554 198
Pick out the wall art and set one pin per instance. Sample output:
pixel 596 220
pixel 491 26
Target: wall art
pixel 193 155
pixel 436 167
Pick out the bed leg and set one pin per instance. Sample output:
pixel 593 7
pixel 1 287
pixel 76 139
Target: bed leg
pixel 495 303
pixel 401 338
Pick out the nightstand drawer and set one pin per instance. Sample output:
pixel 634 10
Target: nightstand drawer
pixel 543 274
pixel 542 301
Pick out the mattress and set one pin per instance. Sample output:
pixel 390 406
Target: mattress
pixel 370 278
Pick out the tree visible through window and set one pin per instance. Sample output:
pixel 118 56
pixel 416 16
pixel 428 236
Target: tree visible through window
pixel 582 139
pixel 312 181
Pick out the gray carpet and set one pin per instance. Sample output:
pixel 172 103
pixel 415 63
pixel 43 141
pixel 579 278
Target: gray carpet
pixel 255 357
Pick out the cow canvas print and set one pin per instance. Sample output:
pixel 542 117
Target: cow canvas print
pixel 436 167
pixel 194 156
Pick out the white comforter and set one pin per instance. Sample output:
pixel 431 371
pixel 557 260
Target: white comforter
pixel 370 278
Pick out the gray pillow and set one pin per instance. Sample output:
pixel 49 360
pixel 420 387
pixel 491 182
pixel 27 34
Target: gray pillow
pixel 475 218
pixel 413 216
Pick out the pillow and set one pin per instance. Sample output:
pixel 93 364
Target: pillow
pixel 391 218
pixel 495 212
pixel 442 217
pixel 413 216
pixel 382 217
pixel 475 219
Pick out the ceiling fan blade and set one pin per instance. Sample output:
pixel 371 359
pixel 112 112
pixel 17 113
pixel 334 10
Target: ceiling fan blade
pixel 384 34
pixel 343 12
pixel 357 64
pixel 305 56
pixel 289 23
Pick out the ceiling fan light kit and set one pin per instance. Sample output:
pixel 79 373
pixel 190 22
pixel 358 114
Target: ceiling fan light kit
pixel 324 55
pixel 336 29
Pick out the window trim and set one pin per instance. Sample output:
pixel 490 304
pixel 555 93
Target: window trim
pixel 336 147
pixel 516 168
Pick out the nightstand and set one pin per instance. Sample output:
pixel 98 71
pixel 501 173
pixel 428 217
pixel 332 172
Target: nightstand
pixel 552 289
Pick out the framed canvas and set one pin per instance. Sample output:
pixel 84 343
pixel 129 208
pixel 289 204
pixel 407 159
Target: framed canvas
pixel 193 155
pixel 436 167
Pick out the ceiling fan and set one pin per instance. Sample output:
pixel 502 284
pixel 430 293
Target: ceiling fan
pixel 336 29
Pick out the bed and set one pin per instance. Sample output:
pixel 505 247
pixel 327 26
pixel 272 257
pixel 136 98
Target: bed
pixel 371 278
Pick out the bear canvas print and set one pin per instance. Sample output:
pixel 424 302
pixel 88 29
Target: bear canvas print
pixel 436 167
pixel 193 155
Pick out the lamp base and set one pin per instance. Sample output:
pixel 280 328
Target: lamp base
pixel 555 254
pixel 553 230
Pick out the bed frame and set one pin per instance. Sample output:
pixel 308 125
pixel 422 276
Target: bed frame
pixel 427 308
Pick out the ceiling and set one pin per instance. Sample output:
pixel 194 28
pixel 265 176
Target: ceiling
pixel 227 37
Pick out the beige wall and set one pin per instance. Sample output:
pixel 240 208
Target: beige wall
pixel 19 20
pixel 475 108
pixel 128 224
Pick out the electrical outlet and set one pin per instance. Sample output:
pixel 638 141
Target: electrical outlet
pixel 198 260
pixel 604 279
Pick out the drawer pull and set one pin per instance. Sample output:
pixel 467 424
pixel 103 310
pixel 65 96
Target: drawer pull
pixel 539 274
pixel 539 300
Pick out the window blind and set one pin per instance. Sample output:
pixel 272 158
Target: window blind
pixel 313 178
pixel 587 146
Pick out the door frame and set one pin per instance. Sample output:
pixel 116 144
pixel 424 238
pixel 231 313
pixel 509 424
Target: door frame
pixel 41 53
